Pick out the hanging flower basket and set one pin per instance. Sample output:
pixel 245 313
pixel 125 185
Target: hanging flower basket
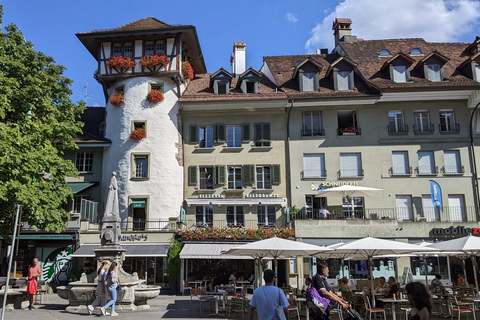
pixel 121 64
pixel 155 96
pixel 226 233
pixel 117 99
pixel 139 134
pixel 155 62
pixel 187 70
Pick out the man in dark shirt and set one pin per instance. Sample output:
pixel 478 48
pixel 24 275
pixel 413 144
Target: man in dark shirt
pixel 393 287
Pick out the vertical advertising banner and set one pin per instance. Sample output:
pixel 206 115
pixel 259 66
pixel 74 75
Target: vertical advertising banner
pixel 436 194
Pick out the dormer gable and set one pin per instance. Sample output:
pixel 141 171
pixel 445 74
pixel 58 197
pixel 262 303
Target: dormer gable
pixel 342 70
pixel 398 67
pixel 248 81
pixel 220 81
pixel 307 74
pixel 471 67
pixel 433 66
pixel 474 47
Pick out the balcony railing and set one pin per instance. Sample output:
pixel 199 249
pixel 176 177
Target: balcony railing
pixel 452 170
pixel 252 224
pixel 452 128
pixel 306 132
pixel 350 173
pixel 309 175
pixel 400 171
pixel 429 214
pixel 426 171
pixel 397 129
pixel 425 129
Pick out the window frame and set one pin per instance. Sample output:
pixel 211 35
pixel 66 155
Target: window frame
pixel 155 49
pixel 133 171
pixel 264 214
pixel 432 170
pixel 433 75
pixel 262 141
pixel 206 215
pixel 207 137
pixel 358 165
pixel 458 163
pixel 205 181
pixel 447 123
pixel 402 76
pixel 217 84
pixel 421 124
pixel 308 78
pixel 115 53
pixel 396 119
pixel 321 165
pixel 235 173
pixel 84 159
pixel 263 178
pixel 316 127
pixel 236 218
pixel 232 142
pixel 402 169
pixel 349 80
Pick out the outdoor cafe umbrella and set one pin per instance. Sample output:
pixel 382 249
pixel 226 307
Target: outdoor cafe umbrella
pixel 276 248
pixel 349 192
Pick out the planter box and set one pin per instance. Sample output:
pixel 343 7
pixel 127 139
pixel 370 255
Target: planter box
pixel 349 134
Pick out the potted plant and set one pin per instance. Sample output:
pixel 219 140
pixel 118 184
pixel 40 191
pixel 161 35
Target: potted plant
pixel 121 64
pixel 155 96
pixel 154 62
pixel 117 98
pixel 349 130
pixel 139 134
pixel 173 265
pixel 187 70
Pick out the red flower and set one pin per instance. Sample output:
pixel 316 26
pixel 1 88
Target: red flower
pixel 155 62
pixel 139 134
pixel 187 70
pixel 155 96
pixel 117 99
pixel 121 63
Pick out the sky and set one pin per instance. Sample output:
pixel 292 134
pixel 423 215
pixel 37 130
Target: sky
pixel 269 27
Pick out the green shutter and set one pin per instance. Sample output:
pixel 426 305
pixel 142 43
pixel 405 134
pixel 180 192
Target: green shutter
pixel 192 175
pixel 220 175
pixel 258 131
pixel 219 132
pixel 276 174
pixel 266 132
pixel 247 175
pixel 193 133
pixel 245 132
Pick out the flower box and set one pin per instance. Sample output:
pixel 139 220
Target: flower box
pixel 117 99
pixel 187 70
pixel 155 62
pixel 155 96
pixel 121 64
pixel 349 133
pixel 234 233
pixel 138 134
pixel 347 130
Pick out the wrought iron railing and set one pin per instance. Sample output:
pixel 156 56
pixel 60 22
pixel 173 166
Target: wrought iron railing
pixel 223 223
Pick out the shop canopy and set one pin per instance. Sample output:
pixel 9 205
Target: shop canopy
pixel 78 187
pixel 237 202
pixel 133 250
pixel 209 251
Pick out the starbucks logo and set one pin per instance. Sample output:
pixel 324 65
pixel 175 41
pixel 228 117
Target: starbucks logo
pixel 58 265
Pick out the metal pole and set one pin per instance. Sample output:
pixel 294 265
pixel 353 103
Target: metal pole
pixel 473 165
pixel 475 270
pixel 10 261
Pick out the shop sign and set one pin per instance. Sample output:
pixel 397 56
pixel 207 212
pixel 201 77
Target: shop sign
pixel 57 266
pixel 328 184
pixel 135 237
pixel 460 230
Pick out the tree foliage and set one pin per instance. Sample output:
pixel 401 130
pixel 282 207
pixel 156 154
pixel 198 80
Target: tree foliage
pixel 37 123
pixel 173 260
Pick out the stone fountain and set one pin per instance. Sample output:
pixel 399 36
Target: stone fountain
pixel 133 296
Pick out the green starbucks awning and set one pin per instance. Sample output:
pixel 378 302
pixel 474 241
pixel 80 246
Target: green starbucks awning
pixel 79 186
pixel 138 203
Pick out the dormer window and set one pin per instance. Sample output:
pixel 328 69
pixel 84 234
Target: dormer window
pixel 250 86
pixel 308 81
pixel 384 53
pixel 399 73
pixel 344 80
pixel 248 81
pixel 220 87
pixel 433 72
pixel 220 81
pixel 477 72
pixel 415 52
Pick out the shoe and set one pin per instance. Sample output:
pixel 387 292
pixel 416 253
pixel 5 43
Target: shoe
pixel 114 314
pixel 32 308
pixel 90 309
pixel 103 310
pixel 107 313
pixel 27 308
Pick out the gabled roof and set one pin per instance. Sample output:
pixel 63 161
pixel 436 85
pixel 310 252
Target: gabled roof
pixel 469 60
pixel 400 55
pixel 250 71
pixel 143 24
pixel 474 44
pixel 308 60
pixel 221 71
pixel 340 59
pixel 432 54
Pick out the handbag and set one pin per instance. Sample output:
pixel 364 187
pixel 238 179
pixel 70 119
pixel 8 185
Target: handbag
pixel 279 309
pixel 119 287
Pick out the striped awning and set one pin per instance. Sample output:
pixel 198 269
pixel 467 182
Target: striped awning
pixel 209 251
pixel 236 202
pixel 133 250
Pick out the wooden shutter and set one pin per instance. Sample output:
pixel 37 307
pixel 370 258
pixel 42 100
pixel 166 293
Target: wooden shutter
pixel 192 175
pixel 219 132
pixel 276 175
pixel 193 133
pixel 258 131
pixel 220 175
pixel 266 132
pixel 248 175
pixel 245 132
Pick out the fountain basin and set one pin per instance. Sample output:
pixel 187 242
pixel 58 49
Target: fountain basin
pixel 144 293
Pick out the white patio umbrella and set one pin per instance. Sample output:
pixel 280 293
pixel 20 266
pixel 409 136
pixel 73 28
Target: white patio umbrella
pixel 276 248
pixel 369 247
pixel 349 192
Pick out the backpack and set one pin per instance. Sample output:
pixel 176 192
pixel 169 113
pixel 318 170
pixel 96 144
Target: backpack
pixel 316 302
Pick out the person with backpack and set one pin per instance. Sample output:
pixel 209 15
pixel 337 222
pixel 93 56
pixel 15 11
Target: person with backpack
pixel 112 284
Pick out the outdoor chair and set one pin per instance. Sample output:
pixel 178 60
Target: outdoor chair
pixel 459 308
pixel 197 292
pixel 337 310
pixel 369 310
pixel 186 288
pixel 292 311
pixel 238 303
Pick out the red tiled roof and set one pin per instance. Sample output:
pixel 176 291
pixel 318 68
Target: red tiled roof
pixel 143 24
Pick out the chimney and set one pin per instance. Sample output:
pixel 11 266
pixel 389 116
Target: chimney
pixel 342 31
pixel 237 60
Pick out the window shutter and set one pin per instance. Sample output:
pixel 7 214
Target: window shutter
pixel 350 165
pixel 266 131
pixel 247 175
pixel 220 175
pixel 192 175
pixel 276 176
pixel 400 162
pixel 219 132
pixel 452 161
pixel 193 133
pixel 313 165
pixel 425 162
pixel 245 132
pixel 258 131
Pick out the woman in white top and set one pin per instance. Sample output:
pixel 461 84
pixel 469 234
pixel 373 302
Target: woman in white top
pixel 112 284
pixel 101 290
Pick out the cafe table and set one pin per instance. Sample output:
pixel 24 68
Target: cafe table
pixel 217 295
pixel 196 282
pixel 393 302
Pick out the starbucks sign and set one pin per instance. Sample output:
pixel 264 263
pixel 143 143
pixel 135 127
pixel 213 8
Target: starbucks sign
pixel 58 265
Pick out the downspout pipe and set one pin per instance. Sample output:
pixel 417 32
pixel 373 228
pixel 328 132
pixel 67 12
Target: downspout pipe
pixel 287 156
pixel 473 165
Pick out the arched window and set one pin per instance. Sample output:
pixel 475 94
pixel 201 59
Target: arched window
pixel 384 53
pixel 416 51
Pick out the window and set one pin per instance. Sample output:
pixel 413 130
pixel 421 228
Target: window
pixel 84 161
pixel 416 51
pixel 396 122
pixel 250 86
pixel 140 166
pixel 234 175
pixel 234 139
pixel 264 180
pixel 205 137
pixel 348 122
pixel 206 178
pixel 477 72
pixel 154 47
pixel 312 123
pixel 314 165
pixel 456 207
pixel 399 73
pixel 139 124
pixel 308 81
pixel 266 215
pixel 155 86
pixel 204 215
pixel 262 134
pixel 434 72
pixel 221 87
pixel 344 80
pixel 447 121
pixel 426 163
pixel 400 163
pixel 122 49
pixel 235 216
pixel 77 202
pixel 384 53
pixel 429 211
pixel 422 121
pixel 404 207
pixel 451 160
pixel 139 213
pixel 350 165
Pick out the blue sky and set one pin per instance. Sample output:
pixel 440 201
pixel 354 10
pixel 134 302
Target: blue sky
pixel 274 27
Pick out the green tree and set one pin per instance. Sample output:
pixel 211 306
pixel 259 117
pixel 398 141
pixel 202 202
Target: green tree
pixel 173 260
pixel 37 123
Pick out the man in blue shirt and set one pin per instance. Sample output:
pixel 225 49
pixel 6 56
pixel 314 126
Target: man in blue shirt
pixel 266 299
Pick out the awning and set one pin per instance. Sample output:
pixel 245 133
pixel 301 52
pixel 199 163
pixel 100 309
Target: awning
pixel 44 237
pixel 79 186
pixel 209 251
pixel 138 203
pixel 133 250
pixel 237 202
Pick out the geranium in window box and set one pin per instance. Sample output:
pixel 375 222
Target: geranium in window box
pixel 117 99
pixel 155 96
pixel 138 134
pixel 154 62
pixel 121 64
pixel 349 130
pixel 187 70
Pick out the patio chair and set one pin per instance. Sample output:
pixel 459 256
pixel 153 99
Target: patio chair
pixel 369 310
pixel 459 308
pixel 337 310
pixel 238 304
pixel 292 310
pixel 197 292
pixel 186 288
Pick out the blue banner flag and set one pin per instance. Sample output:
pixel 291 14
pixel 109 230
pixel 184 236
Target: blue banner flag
pixel 436 194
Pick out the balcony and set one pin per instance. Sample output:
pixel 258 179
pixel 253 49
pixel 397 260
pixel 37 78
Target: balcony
pixel 400 171
pixel 251 224
pixel 423 129
pixel 452 170
pixel 397 129
pixel 449 129
pixel 136 225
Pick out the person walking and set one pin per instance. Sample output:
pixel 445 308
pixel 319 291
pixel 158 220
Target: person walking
pixel 101 289
pixel 419 297
pixel 112 284
pixel 267 299
pixel 34 271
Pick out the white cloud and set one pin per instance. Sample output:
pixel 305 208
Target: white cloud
pixel 292 17
pixel 433 20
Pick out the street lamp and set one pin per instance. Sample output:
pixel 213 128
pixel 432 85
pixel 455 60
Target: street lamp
pixel 473 164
